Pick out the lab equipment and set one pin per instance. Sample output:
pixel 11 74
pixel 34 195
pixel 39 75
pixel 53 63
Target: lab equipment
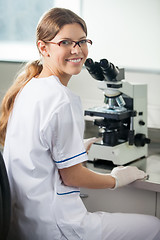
pixel 122 119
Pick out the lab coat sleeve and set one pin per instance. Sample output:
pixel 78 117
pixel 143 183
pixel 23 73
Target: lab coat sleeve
pixel 64 135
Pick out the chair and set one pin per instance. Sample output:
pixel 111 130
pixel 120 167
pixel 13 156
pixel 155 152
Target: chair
pixel 5 201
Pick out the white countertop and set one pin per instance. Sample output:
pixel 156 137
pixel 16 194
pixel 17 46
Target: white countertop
pixel 151 165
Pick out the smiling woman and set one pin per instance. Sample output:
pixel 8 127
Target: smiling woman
pixel 46 172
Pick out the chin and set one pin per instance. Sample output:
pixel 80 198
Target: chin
pixel 75 72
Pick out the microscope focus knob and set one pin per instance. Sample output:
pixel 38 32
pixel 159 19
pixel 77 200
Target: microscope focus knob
pixel 141 122
pixel 140 140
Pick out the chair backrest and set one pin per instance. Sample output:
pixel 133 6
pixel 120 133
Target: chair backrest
pixel 5 201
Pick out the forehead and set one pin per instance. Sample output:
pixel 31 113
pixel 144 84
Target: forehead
pixel 71 31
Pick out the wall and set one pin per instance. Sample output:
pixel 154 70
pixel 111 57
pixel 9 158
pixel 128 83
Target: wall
pixel 8 71
pixel 125 32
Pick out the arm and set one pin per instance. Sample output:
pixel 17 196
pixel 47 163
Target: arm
pixel 80 176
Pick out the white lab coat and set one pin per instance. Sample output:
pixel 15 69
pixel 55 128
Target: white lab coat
pixel 44 134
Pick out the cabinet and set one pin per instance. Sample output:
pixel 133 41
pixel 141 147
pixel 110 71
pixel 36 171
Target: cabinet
pixel 158 205
pixel 126 199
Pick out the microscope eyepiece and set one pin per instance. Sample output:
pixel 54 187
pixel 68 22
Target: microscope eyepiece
pixel 88 62
pixel 109 70
pixel 104 63
pixel 94 69
pixel 105 70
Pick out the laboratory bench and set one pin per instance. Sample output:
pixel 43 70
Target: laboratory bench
pixel 141 196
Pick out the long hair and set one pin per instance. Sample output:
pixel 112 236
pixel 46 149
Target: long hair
pixel 48 27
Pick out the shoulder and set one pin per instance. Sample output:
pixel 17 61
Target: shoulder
pixel 46 95
pixel 43 90
pixel 44 85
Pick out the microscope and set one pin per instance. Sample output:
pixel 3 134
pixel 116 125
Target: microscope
pixel 122 119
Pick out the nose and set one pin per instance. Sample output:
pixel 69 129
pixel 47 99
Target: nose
pixel 76 49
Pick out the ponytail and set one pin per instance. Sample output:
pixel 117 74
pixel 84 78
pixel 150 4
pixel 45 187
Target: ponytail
pixel 31 70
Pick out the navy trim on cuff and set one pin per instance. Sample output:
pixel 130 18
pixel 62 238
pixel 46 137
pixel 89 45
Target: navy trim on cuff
pixel 67 159
pixel 65 193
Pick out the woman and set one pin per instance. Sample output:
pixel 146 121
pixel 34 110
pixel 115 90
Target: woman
pixel 44 148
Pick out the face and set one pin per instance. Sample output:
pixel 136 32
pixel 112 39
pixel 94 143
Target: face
pixel 65 62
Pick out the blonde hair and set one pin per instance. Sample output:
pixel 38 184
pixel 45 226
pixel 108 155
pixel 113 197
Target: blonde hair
pixel 48 27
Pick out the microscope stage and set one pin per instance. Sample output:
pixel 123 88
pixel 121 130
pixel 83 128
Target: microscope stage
pixel 114 114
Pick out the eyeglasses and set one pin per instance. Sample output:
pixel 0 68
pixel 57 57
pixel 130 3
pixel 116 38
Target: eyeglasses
pixel 84 43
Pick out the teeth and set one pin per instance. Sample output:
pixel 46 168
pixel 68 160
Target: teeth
pixel 74 60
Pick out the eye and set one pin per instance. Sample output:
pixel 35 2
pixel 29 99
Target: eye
pixel 65 43
pixel 84 41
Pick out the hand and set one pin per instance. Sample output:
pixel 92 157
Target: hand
pixel 126 175
pixel 88 142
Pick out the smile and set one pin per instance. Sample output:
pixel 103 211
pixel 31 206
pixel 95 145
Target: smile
pixel 74 60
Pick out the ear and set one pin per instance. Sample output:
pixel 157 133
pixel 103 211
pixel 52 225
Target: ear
pixel 43 49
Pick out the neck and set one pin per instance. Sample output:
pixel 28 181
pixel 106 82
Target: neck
pixel 48 71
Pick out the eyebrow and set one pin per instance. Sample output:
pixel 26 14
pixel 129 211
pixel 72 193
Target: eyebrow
pixel 84 37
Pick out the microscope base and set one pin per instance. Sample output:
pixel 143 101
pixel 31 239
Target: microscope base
pixel 120 154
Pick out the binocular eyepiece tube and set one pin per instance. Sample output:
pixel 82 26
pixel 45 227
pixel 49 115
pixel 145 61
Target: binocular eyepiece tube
pixel 103 70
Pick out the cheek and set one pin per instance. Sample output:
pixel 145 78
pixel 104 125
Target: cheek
pixel 85 53
pixel 57 59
